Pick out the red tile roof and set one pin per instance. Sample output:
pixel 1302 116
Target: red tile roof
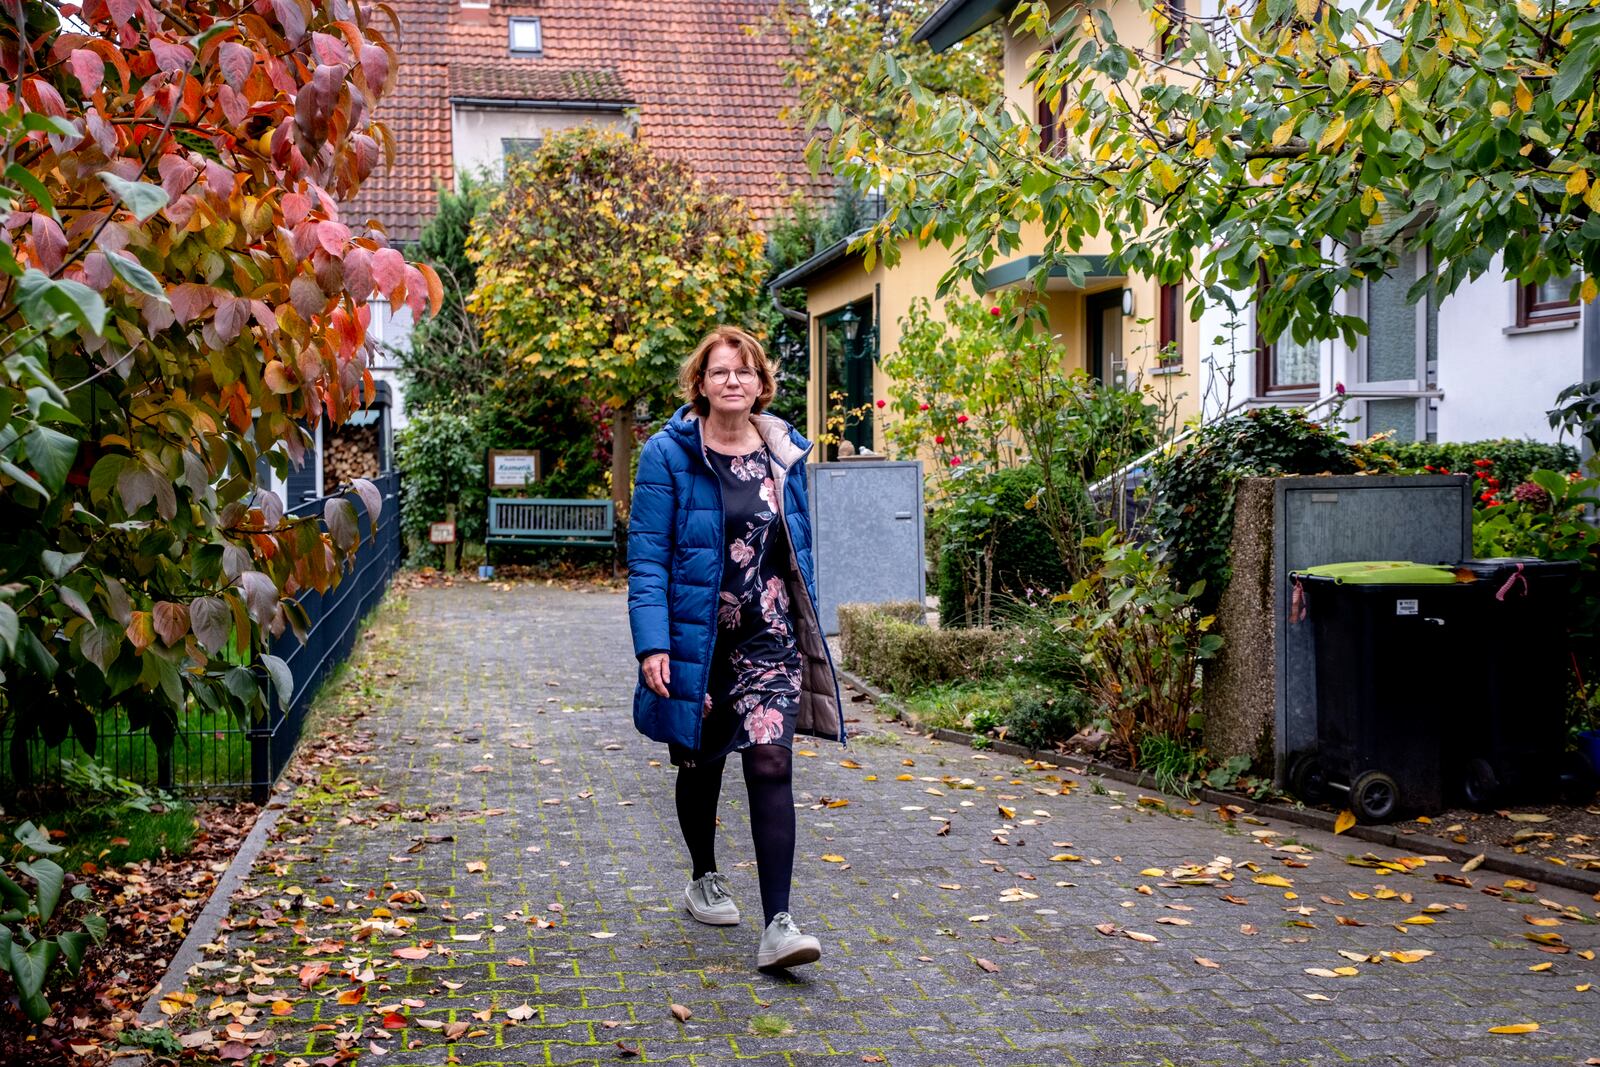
pixel 706 91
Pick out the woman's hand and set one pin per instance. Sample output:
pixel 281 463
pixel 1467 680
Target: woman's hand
pixel 657 673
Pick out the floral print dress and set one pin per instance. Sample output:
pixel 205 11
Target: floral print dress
pixel 754 695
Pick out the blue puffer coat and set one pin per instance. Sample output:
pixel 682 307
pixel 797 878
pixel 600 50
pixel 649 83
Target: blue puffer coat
pixel 675 553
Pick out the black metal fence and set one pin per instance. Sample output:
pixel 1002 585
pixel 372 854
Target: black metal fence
pixel 211 753
pixel 335 619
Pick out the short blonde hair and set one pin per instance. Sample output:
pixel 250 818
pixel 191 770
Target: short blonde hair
pixel 751 353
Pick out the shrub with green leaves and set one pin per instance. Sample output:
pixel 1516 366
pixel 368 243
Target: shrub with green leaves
pixel 1041 718
pixel 441 461
pixel 1193 487
pixel 995 545
pixel 1143 642
pixel 36 928
pixel 1511 461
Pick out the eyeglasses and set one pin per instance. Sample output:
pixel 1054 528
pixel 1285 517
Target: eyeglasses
pixel 720 376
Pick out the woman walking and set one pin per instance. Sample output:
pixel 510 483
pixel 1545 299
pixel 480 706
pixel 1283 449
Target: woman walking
pixel 722 602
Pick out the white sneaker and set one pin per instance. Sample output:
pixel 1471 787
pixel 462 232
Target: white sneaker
pixel 709 901
pixel 783 945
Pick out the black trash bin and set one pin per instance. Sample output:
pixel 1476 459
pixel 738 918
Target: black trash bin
pixel 1508 741
pixel 1383 634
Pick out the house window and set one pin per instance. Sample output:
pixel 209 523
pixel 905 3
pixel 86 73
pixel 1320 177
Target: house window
pixel 1172 34
pixel 1169 330
pixel 1285 365
pixel 1547 301
pixel 526 37
pixel 1399 358
pixel 519 149
pixel 1051 132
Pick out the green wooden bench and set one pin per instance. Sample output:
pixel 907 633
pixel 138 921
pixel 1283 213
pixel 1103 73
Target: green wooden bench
pixel 525 521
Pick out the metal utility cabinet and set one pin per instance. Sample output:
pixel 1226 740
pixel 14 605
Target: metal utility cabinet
pixel 867 533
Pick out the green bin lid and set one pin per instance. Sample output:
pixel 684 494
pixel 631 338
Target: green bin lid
pixel 1384 572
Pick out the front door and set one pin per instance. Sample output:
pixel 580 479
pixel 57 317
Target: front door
pixel 847 380
pixel 1103 316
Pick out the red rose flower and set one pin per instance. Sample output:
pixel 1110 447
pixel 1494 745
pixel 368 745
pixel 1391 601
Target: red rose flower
pixel 955 461
pixel 1481 463
pixel 962 419
pixel 994 311
pixel 922 407
pixel 939 440
pixel 881 403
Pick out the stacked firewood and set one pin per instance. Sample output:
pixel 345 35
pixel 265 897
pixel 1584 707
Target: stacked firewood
pixel 350 453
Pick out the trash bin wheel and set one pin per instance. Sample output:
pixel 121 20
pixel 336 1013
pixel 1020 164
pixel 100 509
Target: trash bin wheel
pixel 1308 778
pixel 1479 784
pixel 1374 796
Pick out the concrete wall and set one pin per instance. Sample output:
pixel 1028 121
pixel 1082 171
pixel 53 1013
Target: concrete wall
pixel 1497 380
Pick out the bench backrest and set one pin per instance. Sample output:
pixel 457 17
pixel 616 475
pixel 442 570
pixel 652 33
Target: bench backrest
pixel 551 518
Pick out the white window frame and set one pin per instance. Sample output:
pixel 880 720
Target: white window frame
pixel 1417 387
pixel 512 24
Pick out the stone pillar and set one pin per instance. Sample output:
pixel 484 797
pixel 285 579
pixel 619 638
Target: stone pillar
pixel 1240 686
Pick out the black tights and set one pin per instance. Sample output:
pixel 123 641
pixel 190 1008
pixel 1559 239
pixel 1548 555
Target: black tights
pixel 768 780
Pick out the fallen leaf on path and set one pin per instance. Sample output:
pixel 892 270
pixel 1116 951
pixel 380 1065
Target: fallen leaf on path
pixel 601 935
pixel 987 965
pixel 1146 938
pixel 681 1013
pixel 831 858
pixel 1346 819
pixel 1473 864
pixel 1515 1028
pixel 477 867
pixel 1526 816
pixel 521 1013
pixel 411 952
pixel 1202 961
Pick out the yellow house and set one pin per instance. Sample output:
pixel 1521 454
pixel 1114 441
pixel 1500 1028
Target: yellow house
pixel 1120 329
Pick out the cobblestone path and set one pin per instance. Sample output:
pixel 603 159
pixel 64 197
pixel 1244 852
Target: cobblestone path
pixel 497 774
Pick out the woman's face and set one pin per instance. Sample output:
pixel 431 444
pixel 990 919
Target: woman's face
pixel 730 384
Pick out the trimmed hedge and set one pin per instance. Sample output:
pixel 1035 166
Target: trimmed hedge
pixel 1513 459
pixel 879 644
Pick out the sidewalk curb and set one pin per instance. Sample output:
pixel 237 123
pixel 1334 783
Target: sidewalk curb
pixel 1497 860
pixel 209 921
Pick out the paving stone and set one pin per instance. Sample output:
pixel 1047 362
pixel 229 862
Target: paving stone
pixel 499 733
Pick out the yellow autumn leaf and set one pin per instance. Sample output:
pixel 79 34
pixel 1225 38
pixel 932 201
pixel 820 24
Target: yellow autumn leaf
pixel 1346 972
pixel 831 858
pixel 1499 109
pixel 904 778
pixel 850 764
pixel 1281 135
pixel 1541 966
pixel 1577 181
pixel 1515 1028
pixel 1152 872
pixel 1403 956
pixel 1277 880
pixel 1007 813
pixel 1418 920
pixel 1346 819
pixel 1584 988
pixel 1590 287
pixel 1065 857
